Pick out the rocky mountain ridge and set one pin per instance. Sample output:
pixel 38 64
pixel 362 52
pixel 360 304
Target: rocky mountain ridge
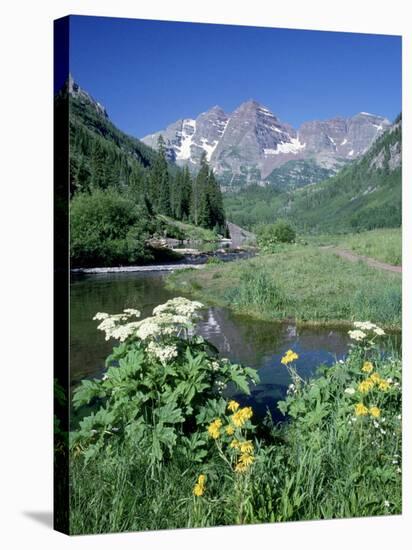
pixel 249 144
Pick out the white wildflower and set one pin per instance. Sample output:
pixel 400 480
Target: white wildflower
pixel 399 470
pixel 386 503
pixel 179 306
pixel 215 365
pixel 162 352
pixel 132 312
pixel 364 325
pixel 379 331
pixel 350 391
pixel 357 335
pixel 100 316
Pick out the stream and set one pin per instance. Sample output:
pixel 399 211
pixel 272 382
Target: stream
pixel 254 343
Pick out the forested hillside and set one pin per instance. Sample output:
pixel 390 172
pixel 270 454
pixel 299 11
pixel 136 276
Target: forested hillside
pixel 119 186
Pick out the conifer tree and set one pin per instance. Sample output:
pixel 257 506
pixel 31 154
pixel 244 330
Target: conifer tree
pixel 159 181
pixel 198 191
pixel 98 166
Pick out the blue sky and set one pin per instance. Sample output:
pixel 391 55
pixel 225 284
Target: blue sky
pixel 150 73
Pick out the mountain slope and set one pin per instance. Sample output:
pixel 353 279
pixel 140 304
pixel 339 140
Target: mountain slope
pixel 251 144
pixel 364 195
pixel 94 137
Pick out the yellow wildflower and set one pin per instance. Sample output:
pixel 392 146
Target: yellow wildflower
pixel 234 444
pixel 289 357
pixel 246 447
pixel 240 468
pixel 246 459
pixel 367 367
pixel 230 430
pixel 360 409
pixel 383 385
pixel 233 406
pixel 240 417
pixel 375 412
pixel 201 479
pixel 198 490
pixel 199 487
pixel 365 385
pixel 375 378
pixel 214 428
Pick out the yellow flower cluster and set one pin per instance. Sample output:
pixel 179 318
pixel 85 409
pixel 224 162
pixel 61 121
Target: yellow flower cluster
pixel 240 417
pixel 361 410
pixel 199 488
pixel 375 412
pixel 246 458
pixel 244 455
pixel 367 367
pixel 374 380
pixel 233 406
pixel 230 430
pixel 214 428
pixel 289 357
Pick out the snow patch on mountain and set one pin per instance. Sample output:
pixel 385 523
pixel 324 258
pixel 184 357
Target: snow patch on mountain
pixel 184 151
pixel 294 146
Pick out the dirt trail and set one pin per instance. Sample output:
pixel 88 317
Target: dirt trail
pixel 352 257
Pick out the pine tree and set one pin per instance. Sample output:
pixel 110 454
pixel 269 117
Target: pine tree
pixel 198 203
pixel 159 181
pixel 217 213
pixel 98 166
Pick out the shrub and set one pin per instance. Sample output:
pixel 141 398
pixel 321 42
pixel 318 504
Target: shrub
pixel 107 229
pixel 270 235
pixel 160 378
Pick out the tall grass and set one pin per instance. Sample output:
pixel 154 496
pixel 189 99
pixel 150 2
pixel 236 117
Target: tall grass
pixel 305 283
pixel 381 244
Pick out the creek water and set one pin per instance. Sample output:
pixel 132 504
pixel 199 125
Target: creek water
pixel 254 343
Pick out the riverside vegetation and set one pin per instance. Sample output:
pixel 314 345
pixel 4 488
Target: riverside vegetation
pixel 163 429
pixel 300 282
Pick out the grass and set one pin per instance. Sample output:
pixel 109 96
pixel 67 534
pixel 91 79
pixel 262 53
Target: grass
pixel 305 283
pixel 381 244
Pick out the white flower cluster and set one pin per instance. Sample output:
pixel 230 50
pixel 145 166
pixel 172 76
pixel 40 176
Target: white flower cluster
pixel 367 325
pixel 112 325
pixel 168 320
pixel 357 335
pixel 179 306
pixel 162 352
pixel 220 386
pixel 215 365
pixel 350 391
pixel 163 324
pixel 362 328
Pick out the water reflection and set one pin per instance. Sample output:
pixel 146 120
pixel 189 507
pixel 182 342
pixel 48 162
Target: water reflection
pixel 258 344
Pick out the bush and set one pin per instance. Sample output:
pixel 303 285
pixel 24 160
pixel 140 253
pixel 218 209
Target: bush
pixel 107 229
pixel 270 235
